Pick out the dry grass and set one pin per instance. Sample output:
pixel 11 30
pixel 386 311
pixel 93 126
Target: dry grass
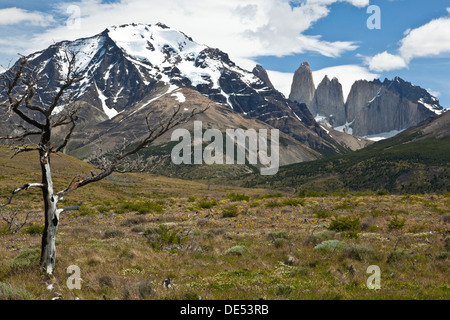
pixel 266 251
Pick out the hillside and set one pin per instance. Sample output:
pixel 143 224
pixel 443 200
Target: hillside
pixel 416 161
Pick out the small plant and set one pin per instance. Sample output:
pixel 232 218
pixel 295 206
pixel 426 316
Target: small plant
pixel 447 243
pixel 340 224
pixel 143 207
pixel 27 258
pixel 278 238
pixel 358 252
pixel 293 202
pixel 7 292
pixel 284 290
pixel 113 233
pixel 34 229
pixel 350 235
pixel 145 289
pixel 205 203
pixel 397 256
pixel 278 235
pixel 317 238
pixel 396 223
pixel 330 246
pixel 320 212
pixel 230 211
pixel 162 236
pixel 236 251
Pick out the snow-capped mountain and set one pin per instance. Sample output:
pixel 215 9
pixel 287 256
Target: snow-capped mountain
pixel 132 68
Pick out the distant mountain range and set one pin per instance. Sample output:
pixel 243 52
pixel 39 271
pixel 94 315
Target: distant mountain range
pixel 133 69
pixel 371 108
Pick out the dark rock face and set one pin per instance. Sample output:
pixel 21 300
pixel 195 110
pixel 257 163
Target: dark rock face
pixel 372 107
pixel 377 107
pixel 261 73
pixel 302 90
pixel 329 101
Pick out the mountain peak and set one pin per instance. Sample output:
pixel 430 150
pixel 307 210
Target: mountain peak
pixel 303 87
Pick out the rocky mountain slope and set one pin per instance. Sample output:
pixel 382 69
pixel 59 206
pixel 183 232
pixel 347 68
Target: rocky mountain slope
pixel 371 108
pixel 129 69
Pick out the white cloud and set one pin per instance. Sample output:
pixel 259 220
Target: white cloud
pixel 242 28
pixel 385 62
pixel 429 40
pixel 10 16
pixel 346 74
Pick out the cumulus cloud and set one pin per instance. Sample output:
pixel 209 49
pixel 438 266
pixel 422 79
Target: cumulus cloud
pixel 385 62
pixel 429 40
pixel 11 16
pixel 243 28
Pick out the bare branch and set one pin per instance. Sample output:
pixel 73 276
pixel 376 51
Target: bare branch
pixel 73 120
pixel 11 219
pixel 22 149
pixel 24 187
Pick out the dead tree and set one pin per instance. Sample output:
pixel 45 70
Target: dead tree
pixel 18 85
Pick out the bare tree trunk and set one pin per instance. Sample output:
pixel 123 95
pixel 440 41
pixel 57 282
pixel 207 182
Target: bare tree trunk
pixel 48 248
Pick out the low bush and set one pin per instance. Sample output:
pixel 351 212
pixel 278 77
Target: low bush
pixel 340 224
pixel 236 251
pixel 238 197
pixel 330 246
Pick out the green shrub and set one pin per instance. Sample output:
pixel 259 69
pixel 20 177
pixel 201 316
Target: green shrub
pixel 278 235
pixel 236 250
pixel 396 223
pixel 330 246
pixel 205 203
pixel 27 258
pixel 143 207
pixel 350 235
pixel 293 202
pixel 274 204
pixel 278 238
pixel 284 290
pixel 162 236
pixel 320 212
pixel 230 211
pixel 34 229
pixel 340 224
pixel 397 256
pixel 358 252
pixel 7 292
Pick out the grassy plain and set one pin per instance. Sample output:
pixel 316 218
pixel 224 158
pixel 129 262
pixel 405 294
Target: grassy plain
pixel 216 242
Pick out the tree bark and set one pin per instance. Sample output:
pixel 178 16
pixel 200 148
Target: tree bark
pixel 48 247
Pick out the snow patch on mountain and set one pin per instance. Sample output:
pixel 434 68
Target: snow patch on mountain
pixel 110 112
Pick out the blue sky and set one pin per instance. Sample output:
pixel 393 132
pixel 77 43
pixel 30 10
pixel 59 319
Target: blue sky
pixel 332 35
